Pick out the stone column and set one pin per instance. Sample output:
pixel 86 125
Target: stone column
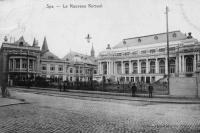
pixel 34 67
pixel 20 62
pixel 130 67
pixel 166 67
pixel 14 63
pixel 100 71
pixel 111 67
pixel 114 68
pixel 9 64
pixel 180 63
pixel 177 65
pixel 183 64
pixel 122 66
pixel 147 66
pixel 107 68
pixel 195 62
pixel 138 63
pixel 156 66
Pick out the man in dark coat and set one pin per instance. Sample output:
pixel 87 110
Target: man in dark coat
pixel 134 89
pixel 150 88
pixel 60 86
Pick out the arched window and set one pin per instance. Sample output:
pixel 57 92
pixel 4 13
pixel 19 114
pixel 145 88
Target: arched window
pixel 152 67
pixel 143 67
pixel 172 66
pixel 162 66
pixel 135 68
pixel 189 64
pixel 21 44
pixel 71 70
pixel 126 68
pixel 119 69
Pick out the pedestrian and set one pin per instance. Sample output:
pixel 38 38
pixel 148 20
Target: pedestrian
pixel 150 88
pixel 134 88
pixel 64 86
pixel 60 86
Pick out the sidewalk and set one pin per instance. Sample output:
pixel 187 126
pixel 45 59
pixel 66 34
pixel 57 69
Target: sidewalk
pixel 10 101
pixel 119 96
pixel 141 97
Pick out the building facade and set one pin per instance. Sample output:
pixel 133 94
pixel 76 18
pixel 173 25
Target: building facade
pixel 19 60
pixel 144 58
pixel 22 62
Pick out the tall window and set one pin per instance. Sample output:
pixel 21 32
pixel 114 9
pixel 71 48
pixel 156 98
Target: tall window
pixel 152 67
pixel 52 68
pixel 143 67
pixel 31 64
pixel 162 50
pixel 135 68
pixel 189 64
pixel 105 68
pixel 172 66
pixel 81 70
pixel 24 63
pixel 162 66
pixel 76 69
pixel 44 67
pixel 126 68
pixel 143 52
pixel 152 51
pixel 119 69
pixel 11 64
pixel 17 63
pixel 71 70
pixel 60 68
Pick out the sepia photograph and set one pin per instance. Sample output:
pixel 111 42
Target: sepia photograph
pixel 99 66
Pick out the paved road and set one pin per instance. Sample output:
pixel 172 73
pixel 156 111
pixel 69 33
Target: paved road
pixel 54 114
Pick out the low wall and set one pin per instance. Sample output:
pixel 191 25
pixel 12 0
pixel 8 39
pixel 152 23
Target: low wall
pixel 183 86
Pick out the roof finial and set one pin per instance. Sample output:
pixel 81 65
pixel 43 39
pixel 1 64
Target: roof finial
pixel 45 46
pixel 35 43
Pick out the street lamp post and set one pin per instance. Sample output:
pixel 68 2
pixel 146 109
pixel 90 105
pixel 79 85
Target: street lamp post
pixel 168 65
pixel 28 84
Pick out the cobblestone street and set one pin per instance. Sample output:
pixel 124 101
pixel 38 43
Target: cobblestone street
pixel 54 114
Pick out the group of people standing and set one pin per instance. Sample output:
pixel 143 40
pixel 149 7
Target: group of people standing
pixel 62 86
pixel 134 90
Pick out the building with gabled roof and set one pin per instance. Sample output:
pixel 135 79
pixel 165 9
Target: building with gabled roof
pixel 52 67
pixel 81 67
pixel 23 62
pixel 72 67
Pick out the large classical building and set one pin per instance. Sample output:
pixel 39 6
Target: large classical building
pixel 21 61
pixel 144 58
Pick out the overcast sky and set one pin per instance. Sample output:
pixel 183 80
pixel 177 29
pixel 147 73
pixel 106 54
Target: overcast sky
pixel 66 28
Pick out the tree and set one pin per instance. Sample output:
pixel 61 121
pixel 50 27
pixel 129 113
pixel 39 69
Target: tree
pixel 4 75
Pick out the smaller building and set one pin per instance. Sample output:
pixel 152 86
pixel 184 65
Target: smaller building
pixel 81 67
pixel 51 67
pixel 72 67
pixel 20 61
